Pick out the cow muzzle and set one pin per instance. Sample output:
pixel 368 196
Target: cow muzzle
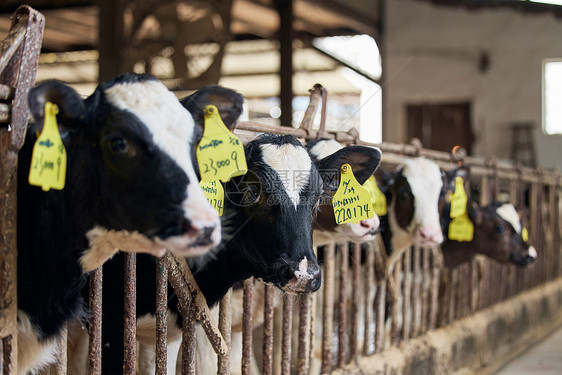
pixel 305 277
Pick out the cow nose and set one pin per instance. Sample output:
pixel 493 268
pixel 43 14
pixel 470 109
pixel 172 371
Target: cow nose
pixel 370 225
pixel 205 237
pixel 430 236
pixel 306 278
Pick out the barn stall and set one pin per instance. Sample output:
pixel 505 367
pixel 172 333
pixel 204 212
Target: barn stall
pixel 490 311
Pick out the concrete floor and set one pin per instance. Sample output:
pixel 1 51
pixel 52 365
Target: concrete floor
pixel 544 358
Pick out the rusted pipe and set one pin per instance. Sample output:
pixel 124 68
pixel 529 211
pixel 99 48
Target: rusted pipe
pixel 247 326
pixel 161 317
pixel 130 318
pixel 189 338
pixel 94 352
pixel 328 308
pixel 342 305
pixel 356 273
pixel 303 351
pixel 225 326
pixel 287 334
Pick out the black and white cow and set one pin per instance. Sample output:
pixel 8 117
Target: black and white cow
pixel 325 228
pixel 497 229
pixel 269 212
pixel 412 192
pixel 130 185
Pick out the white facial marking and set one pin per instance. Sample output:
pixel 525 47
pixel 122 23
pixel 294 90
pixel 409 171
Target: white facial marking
pixel 425 181
pixel 302 273
pixel 532 252
pixel 171 126
pixel 292 164
pixel 508 212
pixel 325 148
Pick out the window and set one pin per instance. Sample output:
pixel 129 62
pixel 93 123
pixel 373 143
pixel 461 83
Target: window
pixel 552 96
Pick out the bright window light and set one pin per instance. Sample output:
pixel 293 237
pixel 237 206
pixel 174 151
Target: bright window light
pixel 552 96
pixel 556 2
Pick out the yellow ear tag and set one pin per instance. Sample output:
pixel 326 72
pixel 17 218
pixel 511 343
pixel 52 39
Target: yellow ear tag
pixel 48 160
pixel 461 229
pixel 351 202
pixel 525 234
pixel 378 199
pixel 214 192
pixel 220 154
pixel 458 199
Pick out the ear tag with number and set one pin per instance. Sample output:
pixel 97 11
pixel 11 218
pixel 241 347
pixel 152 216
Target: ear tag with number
pixel 377 196
pixel 458 199
pixel 220 154
pixel 351 202
pixel 525 234
pixel 461 229
pixel 214 192
pixel 48 160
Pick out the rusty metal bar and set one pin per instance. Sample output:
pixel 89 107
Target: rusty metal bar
pixel 437 263
pixel 342 304
pixel 328 308
pixel 303 352
pixel 453 296
pixel 247 326
pixel 426 283
pixel 161 317
pixel 225 326
pixel 397 302
pixel 268 327
pixel 369 297
pixel 416 292
pixel 130 318
pixel 7 355
pixel 94 351
pixel 407 295
pixel 188 336
pixel 355 301
pixel 287 334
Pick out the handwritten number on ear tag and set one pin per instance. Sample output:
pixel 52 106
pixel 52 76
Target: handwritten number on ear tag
pixel 220 154
pixel 48 160
pixel 461 229
pixel 377 196
pixel 351 202
pixel 214 192
pixel 458 199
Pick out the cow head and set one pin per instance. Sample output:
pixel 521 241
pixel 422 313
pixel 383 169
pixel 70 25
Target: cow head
pixel 413 193
pixel 329 156
pixel 272 208
pixel 498 235
pixel 129 160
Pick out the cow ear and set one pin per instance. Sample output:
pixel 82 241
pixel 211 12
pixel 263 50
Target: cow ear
pixel 363 160
pixel 70 104
pixel 229 103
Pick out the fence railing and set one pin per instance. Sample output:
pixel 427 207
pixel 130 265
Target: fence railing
pixel 366 305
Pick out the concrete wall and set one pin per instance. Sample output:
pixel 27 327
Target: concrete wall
pixel 432 56
pixel 479 344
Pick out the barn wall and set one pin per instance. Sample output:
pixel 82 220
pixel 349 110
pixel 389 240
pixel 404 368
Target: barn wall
pixel 432 56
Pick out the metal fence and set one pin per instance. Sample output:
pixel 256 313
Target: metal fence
pixel 366 304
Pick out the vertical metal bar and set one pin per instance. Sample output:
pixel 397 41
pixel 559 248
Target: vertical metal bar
pixel 356 272
pixel 225 326
pixel 130 318
pixel 382 276
pixel 287 334
pixel 484 190
pixel 327 308
pixel 161 317
pixel 188 337
pixel 304 335
pixel 407 293
pixel 397 303
pixel 416 292
pixel 7 351
pixel 436 271
pixel 268 326
pixel 425 289
pixel 453 296
pixel 475 276
pixel 369 293
pixel 247 326
pixel 94 355
pixel 342 305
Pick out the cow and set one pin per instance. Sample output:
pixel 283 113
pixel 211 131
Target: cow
pixel 325 228
pixel 412 193
pixel 130 185
pixel 269 212
pixel 497 229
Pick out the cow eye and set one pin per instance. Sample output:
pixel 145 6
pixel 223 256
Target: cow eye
pixel 119 144
pixel 500 229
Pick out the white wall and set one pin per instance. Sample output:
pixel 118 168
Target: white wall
pixel 431 56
